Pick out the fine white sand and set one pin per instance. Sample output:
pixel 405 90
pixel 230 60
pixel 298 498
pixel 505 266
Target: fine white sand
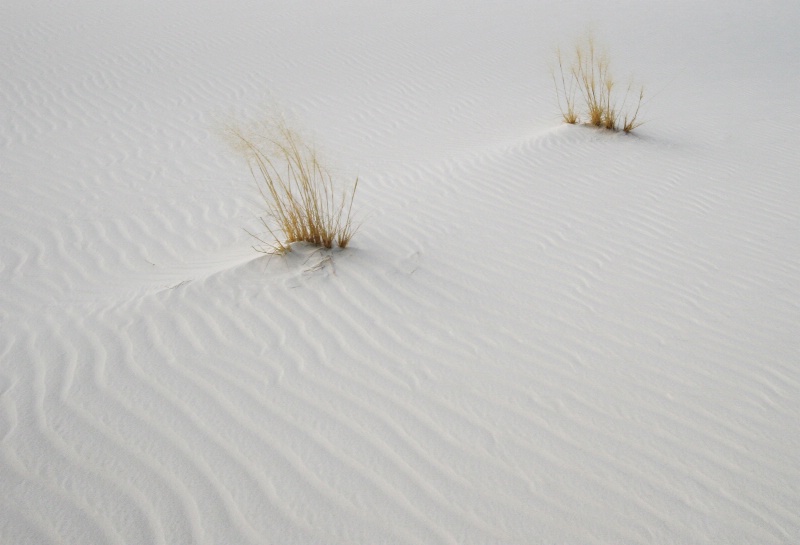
pixel 541 333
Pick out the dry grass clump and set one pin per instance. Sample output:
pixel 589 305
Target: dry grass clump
pixel 588 75
pixel 299 194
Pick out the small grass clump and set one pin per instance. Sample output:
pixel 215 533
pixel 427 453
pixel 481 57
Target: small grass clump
pixel 299 194
pixel 589 77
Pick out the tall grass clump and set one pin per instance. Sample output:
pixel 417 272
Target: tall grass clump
pixel 588 76
pixel 299 195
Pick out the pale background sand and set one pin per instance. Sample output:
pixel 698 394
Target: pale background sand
pixel 541 333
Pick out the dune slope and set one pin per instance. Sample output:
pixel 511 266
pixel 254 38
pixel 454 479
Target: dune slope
pixel 540 334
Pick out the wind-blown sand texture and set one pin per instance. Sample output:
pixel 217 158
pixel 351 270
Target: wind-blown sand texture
pixel 541 333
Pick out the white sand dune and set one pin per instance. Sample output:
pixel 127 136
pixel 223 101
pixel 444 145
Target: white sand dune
pixel 541 333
